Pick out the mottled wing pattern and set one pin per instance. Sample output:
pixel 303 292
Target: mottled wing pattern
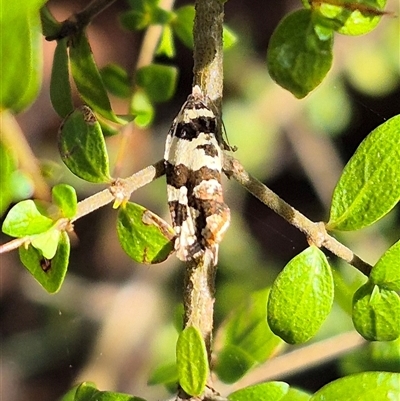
pixel 193 163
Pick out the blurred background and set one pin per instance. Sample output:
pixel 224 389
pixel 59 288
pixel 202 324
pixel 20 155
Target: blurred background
pixel 112 321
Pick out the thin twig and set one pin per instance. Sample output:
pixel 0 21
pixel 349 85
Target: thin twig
pixel 119 191
pixel 315 232
pixel 80 20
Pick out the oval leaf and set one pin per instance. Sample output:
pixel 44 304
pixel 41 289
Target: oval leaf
pixel 367 386
pixel 25 219
pixel 248 340
pixel 158 81
pixel 144 236
pixel 88 80
pixel 116 80
pixel 369 186
pixel 142 108
pixel 60 88
pixel 233 363
pixel 49 273
pixel 47 242
pixel 64 196
pixel 272 391
pixel 21 54
pixel 376 313
pixel 301 297
pixel 298 59
pixel 386 272
pixel 356 18
pixel 192 361
pixel 82 146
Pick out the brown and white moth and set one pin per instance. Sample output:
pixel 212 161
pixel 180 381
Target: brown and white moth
pixel 193 164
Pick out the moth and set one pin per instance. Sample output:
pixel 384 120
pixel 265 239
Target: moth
pixel 193 165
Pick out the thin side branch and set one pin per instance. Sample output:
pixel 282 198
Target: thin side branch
pixel 315 232
pixel 80 20
pixel 118 192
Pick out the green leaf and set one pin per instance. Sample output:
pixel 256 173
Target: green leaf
pixel 164 374
pixel 229 38
pixel 272 391
pixel 296 395
pixel 88 392
pixel 369 186
pixel 7 167
pixel 64 196
pixel 25 219
pixel 47 242
pixel 356 18
pixel 139 17
pixel 82 146
pixel 88 80
pixel 233 363
pixel 367 386
pixel 50 273
pixel 144 236
pixel 248 340
pixel 376 313
pixel 116 80
pixel 192 361
pixel 166 46
pixel 301 297
pixel 183 25
pixel 21 53
pixel 50 26
pixel 142 108
pixel 158 81
pixel 298 58
pixel 60 88
pixel 386 272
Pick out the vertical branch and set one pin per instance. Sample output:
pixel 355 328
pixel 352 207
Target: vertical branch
pixel 199 285
pixel 207 52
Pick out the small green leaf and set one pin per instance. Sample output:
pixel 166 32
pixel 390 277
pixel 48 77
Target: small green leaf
pixel 296 395
pixel 50 273
pixel 88 392
pixel 60 88
pixel 139 17
pixel 144 236
pixel 82 147
pixel 116 80
pixel 64 196
pixel 356 18
pixel 248 340
pixel 166 46
pixel 142 108
pixel 88 80
pixel 369 186
pixel 50 26
pixel 164 374
pixel 8 166
pixel 192 361
pixel 386 272
pixel 183 25
pixel 271 391
pixel 25 219
pixel 21 54
pixel 158 81
pixel 301 297
pixel 298 58
pixel 47 242
pixel 367 386
pixel 376 313
pixel 233 362
pixel 229 38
